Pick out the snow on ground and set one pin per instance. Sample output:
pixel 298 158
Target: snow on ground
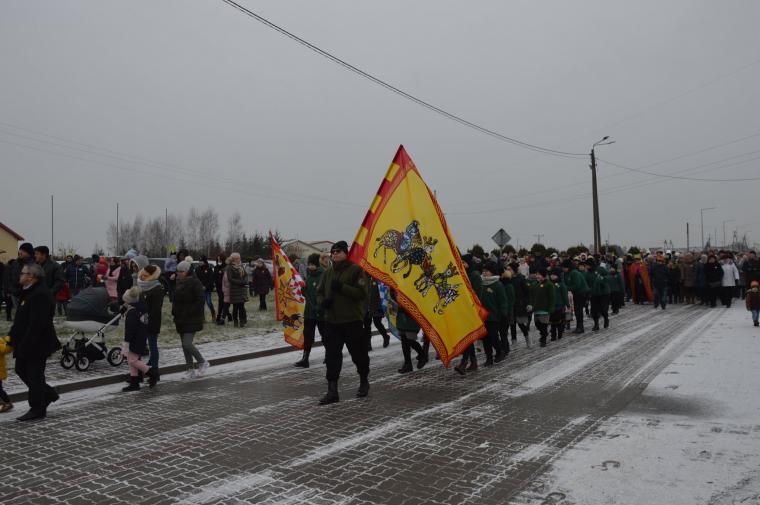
pixel 693 436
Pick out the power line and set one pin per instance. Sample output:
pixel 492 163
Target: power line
pixel 400 92
pixel 697 179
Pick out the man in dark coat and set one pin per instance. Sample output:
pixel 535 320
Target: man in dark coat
pixel 751 268
pixel 33 340
pixel 261 281
pixel 25 257
pixel 342 293
pixel 54 275
pixel 659 275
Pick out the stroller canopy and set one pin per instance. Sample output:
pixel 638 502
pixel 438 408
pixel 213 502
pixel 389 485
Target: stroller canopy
pixel 90 304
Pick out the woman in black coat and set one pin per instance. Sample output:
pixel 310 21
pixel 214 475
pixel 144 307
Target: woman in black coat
pixel 189 302
pixel 33 339
pixel 713 279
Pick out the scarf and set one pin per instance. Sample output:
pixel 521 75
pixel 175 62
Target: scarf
pixel 147 285
pixel 490 279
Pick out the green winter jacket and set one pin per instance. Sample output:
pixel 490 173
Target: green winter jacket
pixel 576 282
pixel 494 299
pixel 615 282
pixel 560 291
pixel 475 281
pixel 347 305
pixel 600 286
pixel 542 297
pixel 312 309
pixel 509 291
pixel 405 322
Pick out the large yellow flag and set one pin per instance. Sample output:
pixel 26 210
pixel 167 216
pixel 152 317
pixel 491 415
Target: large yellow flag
pixel 288 296
pixel 405 243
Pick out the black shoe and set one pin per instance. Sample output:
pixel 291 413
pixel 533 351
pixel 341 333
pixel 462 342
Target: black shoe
pixel 152 376
pixel 579 331
pixel 422 360
pixel 405 369
pixel 332 394
pixel 460 368
pixel 303 363
pixel 31 416
pixel 595 328
pixel 607 322
pixel 386 341
pixel 757 323
pixel 133 386
pixel 489 361
pixel 363 388
pixel 499 357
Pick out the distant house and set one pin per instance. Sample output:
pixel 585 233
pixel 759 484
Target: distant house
pixel 301 249
pixel 9 240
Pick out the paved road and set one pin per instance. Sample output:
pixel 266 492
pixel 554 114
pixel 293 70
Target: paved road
pixel 256 435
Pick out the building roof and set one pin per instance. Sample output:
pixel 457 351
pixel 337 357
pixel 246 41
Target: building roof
pixel 16 235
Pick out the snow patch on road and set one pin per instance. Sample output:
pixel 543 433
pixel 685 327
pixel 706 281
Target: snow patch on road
pixel 227 488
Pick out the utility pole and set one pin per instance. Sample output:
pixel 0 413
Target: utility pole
pixel 538 237
pixel 597 235
pixel 52 225
pixel 166 229
pixel 116 253
pixel 687 237
pixel 724 230
pixel 597 226
pixel 702 223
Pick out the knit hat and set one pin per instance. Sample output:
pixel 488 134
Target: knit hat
pixel 492 267
pixel 132 295
pixel 341 245
pixel 313 259
pixel 567 264
pixel 184 266
pixel 27 248
pixel 467 258
pixel 149 273
pixel 42 249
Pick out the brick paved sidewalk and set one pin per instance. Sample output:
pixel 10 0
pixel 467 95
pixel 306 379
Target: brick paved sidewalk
pixel 253 433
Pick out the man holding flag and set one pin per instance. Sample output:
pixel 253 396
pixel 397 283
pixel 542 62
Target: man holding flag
pixel 341 294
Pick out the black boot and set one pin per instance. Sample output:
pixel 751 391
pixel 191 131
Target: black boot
pixel 606 322
pixel 153 376
pixel 363 387
pixel 489 361
pixel 406 367
pixel 304 362
pixel 332 394
pixel 134 385
pixel 386 340
pixel 596 326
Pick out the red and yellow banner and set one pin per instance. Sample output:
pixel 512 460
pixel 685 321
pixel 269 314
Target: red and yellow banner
pixel 405 243
pixel 288 295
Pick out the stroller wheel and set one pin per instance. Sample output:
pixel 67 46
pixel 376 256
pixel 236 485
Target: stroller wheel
pixel 83 363
pixel 115 357
pixel 67 360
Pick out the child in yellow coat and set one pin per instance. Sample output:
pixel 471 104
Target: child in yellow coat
pixel 5 348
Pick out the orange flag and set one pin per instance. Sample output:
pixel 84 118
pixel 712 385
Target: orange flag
pixel 405 243
pixel 288 295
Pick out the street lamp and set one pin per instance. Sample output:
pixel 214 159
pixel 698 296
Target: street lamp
pixel 724 230
pixel 702 223
pixel 597 227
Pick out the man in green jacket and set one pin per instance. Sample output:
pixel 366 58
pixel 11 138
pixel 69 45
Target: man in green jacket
pixel 600 294
pixel 341 294
pixel 313 318
pixel 494 299
pixel 576 284
pixel 542 301
pixel 615 282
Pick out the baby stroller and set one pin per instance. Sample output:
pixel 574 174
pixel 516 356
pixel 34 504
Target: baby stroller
pixel 90 312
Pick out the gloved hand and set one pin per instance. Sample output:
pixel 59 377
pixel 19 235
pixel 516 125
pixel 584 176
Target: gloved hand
pixel 335 286
pixel 327 303
pixel 529 308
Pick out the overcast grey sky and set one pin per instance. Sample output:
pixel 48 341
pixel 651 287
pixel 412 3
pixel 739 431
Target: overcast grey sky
pixel 245 116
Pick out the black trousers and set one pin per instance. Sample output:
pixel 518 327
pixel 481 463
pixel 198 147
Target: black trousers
pixel 309 327
pixel 262 301
pixel 726 294
pixel 491 340
pixel 579 303
pixel 238 312
pixel 712 295
pixel 599 307
pixel 543 332
pixel 353 337
pixel 378 322
pixel 407 344
pixel 224 308
pixel 32 373
pixel 504 334
pixel 616 301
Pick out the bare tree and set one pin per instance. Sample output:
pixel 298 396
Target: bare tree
pixel 234 232
pixel 208 230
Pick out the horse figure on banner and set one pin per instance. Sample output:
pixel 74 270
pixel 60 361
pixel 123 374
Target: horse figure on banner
pixel 398 241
